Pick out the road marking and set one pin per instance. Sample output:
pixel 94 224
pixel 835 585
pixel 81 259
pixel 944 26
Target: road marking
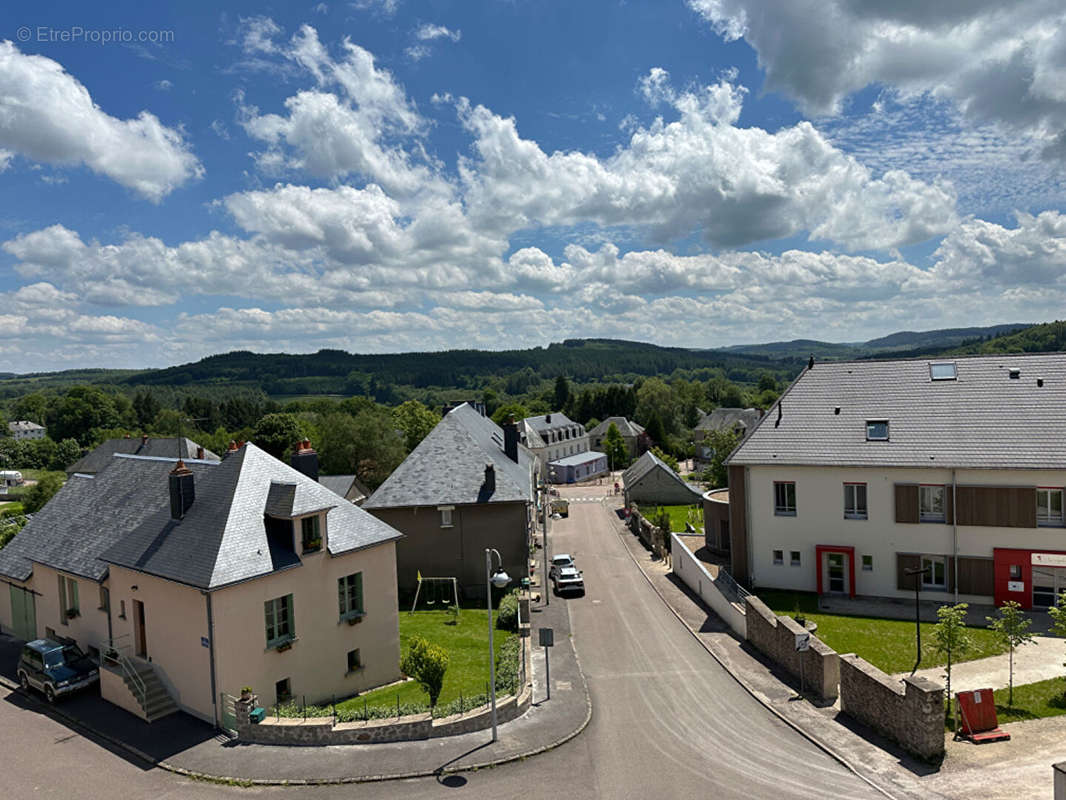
pixel 562 686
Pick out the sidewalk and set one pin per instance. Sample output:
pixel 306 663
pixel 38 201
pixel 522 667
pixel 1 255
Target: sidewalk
pixel 182 744
pixel 1039 661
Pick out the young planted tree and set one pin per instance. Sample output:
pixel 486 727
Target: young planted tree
pixel 1058 617
pixel 614 446
pixel 951 637
pixel 426 663
pixel 1012 628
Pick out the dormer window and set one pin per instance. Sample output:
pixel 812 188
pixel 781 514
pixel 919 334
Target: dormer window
pixel 877 430
pixel 311 533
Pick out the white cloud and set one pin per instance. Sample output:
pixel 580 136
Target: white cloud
pixel 700 173
pixel 164 85
pixel 999 62
pixel 428 32
pixel 257 35
pixel 46 115
pixel 386 7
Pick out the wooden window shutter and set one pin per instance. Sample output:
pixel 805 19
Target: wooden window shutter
pixel 976 576
pixel 907 502
pixel 949 505
pixel 966 505
pixel 905 561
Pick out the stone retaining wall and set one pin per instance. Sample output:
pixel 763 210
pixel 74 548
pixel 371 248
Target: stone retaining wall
pixel 775 637
pixel 322 731
pixel 911 713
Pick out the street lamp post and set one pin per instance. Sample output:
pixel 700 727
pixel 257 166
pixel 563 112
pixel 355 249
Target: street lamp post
pixel 499 579
pixel 917 609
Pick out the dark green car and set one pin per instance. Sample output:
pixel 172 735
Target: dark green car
pixel 55 669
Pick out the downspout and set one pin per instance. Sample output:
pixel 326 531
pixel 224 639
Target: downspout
pixel 211 654
pixel 955 532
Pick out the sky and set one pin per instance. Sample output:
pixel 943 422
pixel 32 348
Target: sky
pixel 397 175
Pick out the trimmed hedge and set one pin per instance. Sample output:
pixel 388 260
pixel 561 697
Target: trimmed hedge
pixel 507 613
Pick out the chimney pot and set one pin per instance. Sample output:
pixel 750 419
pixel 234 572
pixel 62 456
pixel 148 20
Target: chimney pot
pixel 490 478
pixel 200 453
pixel 305 459
pixel 182 490
pixel 232 445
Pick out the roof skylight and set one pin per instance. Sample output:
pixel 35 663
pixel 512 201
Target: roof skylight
pixel 943 371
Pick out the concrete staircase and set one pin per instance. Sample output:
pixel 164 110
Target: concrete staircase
pixel 157 702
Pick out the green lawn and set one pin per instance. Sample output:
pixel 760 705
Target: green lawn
pixel 679 515
pixel 1032 701
pixel 886 643
pixel 467 643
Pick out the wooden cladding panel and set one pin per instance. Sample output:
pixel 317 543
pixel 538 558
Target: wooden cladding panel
pixel 976 576
pixel 906 561
pixel 906 502
pixel 738 525
pixel 997 506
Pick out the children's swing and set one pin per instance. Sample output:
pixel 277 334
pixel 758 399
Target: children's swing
pixel 437 589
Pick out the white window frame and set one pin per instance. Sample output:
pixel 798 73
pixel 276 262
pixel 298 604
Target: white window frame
pixel 795 558
pixel 782 508
pixel 446 520
pixel 1047 518
pixel 929 580
pixel 778 557
pixel 954 371
pixel 345 605
pixel 867 563
pixel 931 515
pixel 273 620
pixel 870 423
pixel 852 509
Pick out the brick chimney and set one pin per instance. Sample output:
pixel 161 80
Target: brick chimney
pixel 547 417
pixel 182 490
pixel 144 439
pixel 305 459
pixel 510 438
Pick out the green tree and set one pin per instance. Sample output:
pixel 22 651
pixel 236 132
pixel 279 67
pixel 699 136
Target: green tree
pixel 655 429
pixel 366 445
pixel 41 492
pixel 562 393
pixel 415 420
pixel 32 407
pixel 656 399
pixel 426 663
pixel 67 452
pixel 277 433
pixel 146 408
pixel 507 409
pixel 82 409
pixel 1011 627
pixel 951 637
pixel 668 459
pixel 721 444
pixel 1058 617
pixel 615 448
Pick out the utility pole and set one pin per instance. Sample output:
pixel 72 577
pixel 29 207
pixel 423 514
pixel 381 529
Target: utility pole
pixel 918 610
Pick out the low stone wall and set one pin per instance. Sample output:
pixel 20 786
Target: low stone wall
pixel 649 534
pixel 322 731
pixel 911 713
pixel 775 637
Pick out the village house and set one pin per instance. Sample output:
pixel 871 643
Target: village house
pixel 101 456
pixel 562 447
pixel 636 440
pixel 25 430
pixel 650 481
pixel 865 470
pixel 195 578
pixel 469 485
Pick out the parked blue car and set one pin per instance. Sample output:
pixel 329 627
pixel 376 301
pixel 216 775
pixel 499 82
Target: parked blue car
pixel 55 669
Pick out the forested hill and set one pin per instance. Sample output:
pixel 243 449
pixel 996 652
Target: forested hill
pixel 335 371
pixel 1047 337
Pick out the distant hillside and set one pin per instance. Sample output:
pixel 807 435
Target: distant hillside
pixel 901 343
pixel 1047 337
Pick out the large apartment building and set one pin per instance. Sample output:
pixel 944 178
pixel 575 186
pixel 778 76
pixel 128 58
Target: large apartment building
pixel 866 470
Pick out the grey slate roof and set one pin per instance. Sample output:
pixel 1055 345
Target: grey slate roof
pixel 729 418
pixel 24 425
pixel 558 420
pixel 648 462
pixel 578 459
pixel 982 420
pixel 97 459
pixel 223 538
pixel 448 467
pixel 88 515
pixel 347 486
pixel 625 427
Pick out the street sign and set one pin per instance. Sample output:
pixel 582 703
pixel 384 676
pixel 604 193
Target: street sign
pixel 803 642
pixel 547 637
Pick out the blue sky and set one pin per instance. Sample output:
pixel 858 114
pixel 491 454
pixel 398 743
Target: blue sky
pixel 387 175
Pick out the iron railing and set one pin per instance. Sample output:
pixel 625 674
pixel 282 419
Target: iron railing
pixel 118 653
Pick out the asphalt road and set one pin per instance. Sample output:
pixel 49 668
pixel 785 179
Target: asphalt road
pixel 667 720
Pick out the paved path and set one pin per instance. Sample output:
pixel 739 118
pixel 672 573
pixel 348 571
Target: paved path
pixel 1034 662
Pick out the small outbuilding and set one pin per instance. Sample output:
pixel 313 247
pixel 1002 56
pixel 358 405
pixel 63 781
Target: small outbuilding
pixel 650 480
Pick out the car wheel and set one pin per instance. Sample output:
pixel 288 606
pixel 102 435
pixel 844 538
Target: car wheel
pixel 49 693
pixel 24 681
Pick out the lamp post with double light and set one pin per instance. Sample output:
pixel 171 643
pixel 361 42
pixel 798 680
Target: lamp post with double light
pixel 497 579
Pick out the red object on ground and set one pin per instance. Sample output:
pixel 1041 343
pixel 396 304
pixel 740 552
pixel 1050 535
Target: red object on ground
pixel 977 716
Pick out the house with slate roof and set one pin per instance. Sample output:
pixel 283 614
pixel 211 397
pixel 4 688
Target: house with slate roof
pixel 101 455
pixel 562 447
pixel 23 429
pixel 637 441
pixel 468 486
pixel 738 420
pixel 865 470
pixel 347 486
pixel 196 578
pixel 650 480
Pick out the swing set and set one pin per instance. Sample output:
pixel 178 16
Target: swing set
pixel 437 590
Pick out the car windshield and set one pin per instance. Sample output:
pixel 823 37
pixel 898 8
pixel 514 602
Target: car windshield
pixel 53 658
pixel 72 653
pixel 562 560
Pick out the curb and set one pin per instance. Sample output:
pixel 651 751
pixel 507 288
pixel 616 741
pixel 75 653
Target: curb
pixel 250 782
pixel 825 748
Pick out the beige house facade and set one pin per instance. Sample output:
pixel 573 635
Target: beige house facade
pixel 244 572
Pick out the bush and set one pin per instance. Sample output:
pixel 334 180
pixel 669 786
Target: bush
pixel 507 613
pixel 426 663
pixel 507 667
